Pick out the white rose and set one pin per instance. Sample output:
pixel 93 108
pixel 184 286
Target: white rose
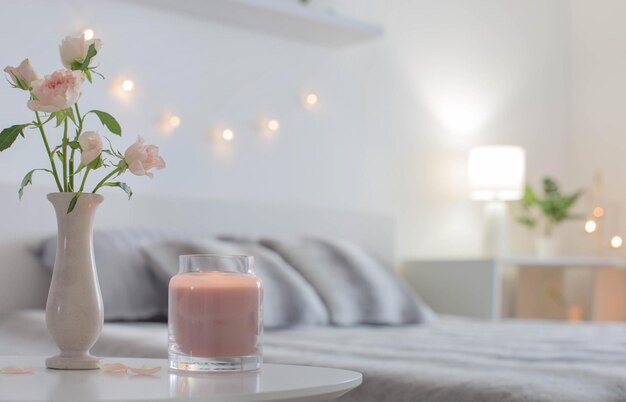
pixel 74 49
pixel 91 146
pixel 23 75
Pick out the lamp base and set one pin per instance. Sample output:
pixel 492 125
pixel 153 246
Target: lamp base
pixel 496 230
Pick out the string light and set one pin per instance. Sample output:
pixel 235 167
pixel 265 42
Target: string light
pixel 616 241
pixel 128 85
pixel 88 34
pixel 169 122
pixel 228 134
pixel 273 125
pixel 311 99
pixel 590 226
pixel 174 121
pixel 598 212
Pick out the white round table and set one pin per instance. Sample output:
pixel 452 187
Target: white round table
pixel 274 382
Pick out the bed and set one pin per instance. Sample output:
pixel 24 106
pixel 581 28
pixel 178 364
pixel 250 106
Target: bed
pixel 446 359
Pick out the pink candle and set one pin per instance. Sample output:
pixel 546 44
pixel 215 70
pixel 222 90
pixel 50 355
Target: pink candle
pixel 215 314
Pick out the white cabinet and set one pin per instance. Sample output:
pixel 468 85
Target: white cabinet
pixel 559 288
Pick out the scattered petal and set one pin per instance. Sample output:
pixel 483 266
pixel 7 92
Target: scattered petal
pixel 16 370
pixel 113 368
pixel 145 370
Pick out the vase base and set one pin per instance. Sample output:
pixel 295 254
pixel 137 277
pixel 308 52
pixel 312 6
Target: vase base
pixel 87 362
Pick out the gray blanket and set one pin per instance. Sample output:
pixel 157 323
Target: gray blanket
pixel 451 360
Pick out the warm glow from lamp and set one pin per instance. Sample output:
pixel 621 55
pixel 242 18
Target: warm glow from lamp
pixel 88 34
pixel 616 241
pixel 128 85
pixel 590 226
pixel 497 172
pixel 228 134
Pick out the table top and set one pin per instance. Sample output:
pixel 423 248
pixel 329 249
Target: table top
pixel 274 382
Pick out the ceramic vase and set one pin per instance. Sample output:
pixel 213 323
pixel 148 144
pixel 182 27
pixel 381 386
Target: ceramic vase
pixel 74 314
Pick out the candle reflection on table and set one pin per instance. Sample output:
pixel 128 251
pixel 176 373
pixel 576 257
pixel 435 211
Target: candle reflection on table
pixel 205 385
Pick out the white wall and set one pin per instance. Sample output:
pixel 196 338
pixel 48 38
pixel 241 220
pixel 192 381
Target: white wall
pixel 598 103
pixel 396 117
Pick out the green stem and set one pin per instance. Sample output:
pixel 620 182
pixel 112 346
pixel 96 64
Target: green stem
pixel 65 161
pixel 50 156
pixel 72 152
pixel 82 184
pixel 103 181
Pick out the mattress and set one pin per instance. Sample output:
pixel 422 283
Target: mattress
pixel 450 360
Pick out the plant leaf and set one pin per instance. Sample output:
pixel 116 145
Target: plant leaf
pixel 69 112
pixel 8 135
pixel 74 145
pixel 75 65
pixel 60 116
pixel 96 163
pixel 91 52
pixel 121 185
pixel 73 202
pixel 108 121
pixel 28 179
pixel 88 75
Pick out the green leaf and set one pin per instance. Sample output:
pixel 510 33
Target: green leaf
pixel 9 135
pixel 28 179
pixel 96 163
pixel 121 185
pixel 108 121
pixel 73 202
pixel 74 145
pixel 91 52
pixel 76 65
pixel 61 115
pixel 60 155
pixel 80 168
pixel 69 112
pixel 88 75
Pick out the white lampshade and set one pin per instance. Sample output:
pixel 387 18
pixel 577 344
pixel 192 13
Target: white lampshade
pixel 497 172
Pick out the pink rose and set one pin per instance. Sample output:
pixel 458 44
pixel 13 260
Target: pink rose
pixel 57 91
pixel 22 75
pixel 140 158
pixel 74 49
pixel 91 145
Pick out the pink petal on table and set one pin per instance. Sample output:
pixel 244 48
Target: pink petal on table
pixel 145 370
pixel 16 370
pixel 113 368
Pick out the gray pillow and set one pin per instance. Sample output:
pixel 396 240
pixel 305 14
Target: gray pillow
pixel 355 287
pixel 288 299
pixel 129 289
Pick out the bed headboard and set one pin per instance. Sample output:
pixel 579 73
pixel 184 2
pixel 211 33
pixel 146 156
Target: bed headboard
pixel 24 284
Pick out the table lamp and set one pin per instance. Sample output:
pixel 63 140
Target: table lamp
pixel 496 175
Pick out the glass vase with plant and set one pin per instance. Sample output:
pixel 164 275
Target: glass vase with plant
pixel 546 211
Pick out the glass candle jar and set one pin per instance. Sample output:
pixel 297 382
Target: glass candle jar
pixel 215 314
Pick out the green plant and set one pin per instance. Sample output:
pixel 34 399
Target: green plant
pixel 553 208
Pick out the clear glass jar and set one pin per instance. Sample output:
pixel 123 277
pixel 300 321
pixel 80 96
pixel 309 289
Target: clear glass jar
pixel 215 314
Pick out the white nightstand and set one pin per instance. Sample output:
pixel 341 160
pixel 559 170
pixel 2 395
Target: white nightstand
pixel 524 287
pixel 275 382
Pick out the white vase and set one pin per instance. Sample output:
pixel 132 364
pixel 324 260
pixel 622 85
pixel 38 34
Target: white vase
pixel 544 246
pixel 74 314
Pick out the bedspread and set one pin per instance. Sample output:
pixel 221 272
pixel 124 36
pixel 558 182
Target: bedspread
pixel 451 360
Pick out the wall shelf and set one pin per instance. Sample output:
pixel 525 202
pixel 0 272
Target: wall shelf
pixel 287 20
